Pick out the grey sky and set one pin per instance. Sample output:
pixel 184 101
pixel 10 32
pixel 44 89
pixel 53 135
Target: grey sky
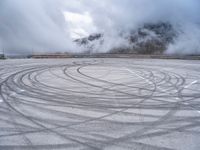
pixel 42 25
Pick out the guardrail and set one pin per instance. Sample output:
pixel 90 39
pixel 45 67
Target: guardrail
pixel 136 56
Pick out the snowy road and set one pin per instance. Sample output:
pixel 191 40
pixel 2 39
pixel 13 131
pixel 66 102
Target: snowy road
pixel 99 104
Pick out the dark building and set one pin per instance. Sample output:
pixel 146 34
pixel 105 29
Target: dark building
pixel 2 56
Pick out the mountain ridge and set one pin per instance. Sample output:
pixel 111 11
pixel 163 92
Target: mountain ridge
pixel 151 38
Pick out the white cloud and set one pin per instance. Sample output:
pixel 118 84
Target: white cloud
pixel 79 25
pixel 49 25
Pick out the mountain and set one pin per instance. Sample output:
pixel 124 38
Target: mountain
pixel 148 39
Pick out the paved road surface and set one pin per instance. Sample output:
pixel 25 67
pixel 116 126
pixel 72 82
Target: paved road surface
pixel 99 104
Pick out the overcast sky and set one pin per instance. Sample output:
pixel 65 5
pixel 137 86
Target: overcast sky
pixel 50 25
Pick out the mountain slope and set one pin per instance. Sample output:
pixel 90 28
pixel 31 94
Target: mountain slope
pixel 148 39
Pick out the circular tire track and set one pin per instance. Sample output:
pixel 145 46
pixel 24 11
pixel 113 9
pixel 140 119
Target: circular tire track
pixel 95 104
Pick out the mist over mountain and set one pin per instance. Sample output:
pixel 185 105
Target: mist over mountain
pixel 148 39
pixel 131 26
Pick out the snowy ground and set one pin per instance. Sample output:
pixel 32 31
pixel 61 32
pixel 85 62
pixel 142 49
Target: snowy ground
pixel 99 104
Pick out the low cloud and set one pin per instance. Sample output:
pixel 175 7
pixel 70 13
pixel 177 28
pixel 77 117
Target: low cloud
pixel 41 26
pixel 33 25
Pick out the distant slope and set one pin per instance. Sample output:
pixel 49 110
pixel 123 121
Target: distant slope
pixel 148 39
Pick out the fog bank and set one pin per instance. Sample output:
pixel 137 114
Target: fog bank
pixel 28 26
